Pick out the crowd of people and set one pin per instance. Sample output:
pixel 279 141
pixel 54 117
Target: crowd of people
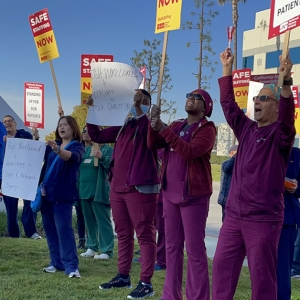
pixel 158 178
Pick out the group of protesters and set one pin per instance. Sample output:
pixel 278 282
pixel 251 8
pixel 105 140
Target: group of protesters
pixel 151 160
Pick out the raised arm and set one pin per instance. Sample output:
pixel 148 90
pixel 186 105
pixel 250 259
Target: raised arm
pixel 235 117
pixel 286 119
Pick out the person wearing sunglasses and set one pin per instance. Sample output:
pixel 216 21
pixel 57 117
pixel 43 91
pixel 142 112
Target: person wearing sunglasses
pixel 255 204
pixel 186 184
pixel 134 192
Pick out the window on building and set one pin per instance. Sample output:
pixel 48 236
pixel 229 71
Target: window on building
pixel 248 62
pixel 296 143
pixel 272 57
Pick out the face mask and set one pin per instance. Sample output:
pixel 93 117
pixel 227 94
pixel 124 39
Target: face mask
pixel 144 108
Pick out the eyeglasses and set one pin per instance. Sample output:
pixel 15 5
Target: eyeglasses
pixel 194 96
pixel 8 121
pixel 83 131
pixel 263 98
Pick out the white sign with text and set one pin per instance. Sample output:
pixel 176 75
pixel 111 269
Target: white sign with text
pixel 22 166
pixel 254 89
pixel 113 88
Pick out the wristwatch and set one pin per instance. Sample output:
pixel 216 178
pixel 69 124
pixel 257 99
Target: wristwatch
pixel 288 82
pixel 57 151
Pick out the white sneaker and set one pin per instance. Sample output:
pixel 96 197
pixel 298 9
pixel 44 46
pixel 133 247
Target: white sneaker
pixel 74 274
pixel 35 236
pixel 89 253
pixel 103 256
pixel 50 269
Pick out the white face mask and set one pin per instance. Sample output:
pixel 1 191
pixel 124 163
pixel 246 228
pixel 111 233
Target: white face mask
pixel 144 108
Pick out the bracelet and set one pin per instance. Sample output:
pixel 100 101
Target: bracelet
pixel 57 151
pixel 288 82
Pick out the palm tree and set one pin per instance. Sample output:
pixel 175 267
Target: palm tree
pixel 235 18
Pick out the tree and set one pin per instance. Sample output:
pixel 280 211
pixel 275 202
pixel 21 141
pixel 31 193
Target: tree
pixel 205 17
pixel 150 57
pixel 79 114
pixel 50 136
pixel 235 18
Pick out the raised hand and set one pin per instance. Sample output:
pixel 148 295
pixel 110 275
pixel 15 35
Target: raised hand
pixel 61 112
pixel 138 98
pixel 226 58
pixel 155 111
pixel 285 66
pixel 90 101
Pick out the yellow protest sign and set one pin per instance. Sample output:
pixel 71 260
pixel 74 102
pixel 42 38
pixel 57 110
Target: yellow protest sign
pixel 168 15
pixel 43 36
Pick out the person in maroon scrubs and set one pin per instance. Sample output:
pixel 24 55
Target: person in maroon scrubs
pixel 255 203
pixel 133 195
pixel 186 189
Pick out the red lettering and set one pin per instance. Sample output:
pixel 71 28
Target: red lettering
pixel 241 93
pixel 87 86
pixel 44 41
pixel 162 3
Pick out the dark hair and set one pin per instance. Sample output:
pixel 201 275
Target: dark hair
pixel 9 116
pixel 73 124
pixel 147 94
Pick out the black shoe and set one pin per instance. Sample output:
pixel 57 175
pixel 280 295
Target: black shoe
pixel 143 290
pixel 116 282
pixel 81 244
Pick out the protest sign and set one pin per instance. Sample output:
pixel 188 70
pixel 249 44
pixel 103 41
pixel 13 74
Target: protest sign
pixel 168 15
pixel 22 167
pixel 85 77
pixel 34 104
pixel 284 16
pixel 43 35
pixel 254 89
pixel 240 80
pixel 113 86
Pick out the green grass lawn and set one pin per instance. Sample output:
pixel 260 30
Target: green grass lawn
pixel 22 260
pixel 216 172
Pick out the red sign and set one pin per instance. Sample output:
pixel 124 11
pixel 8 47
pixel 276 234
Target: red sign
pixel 241 77
pixel 296 96
pixel 265 78
pixel 40 22
pixel 284 16
pixel 87 59
pixel 34 104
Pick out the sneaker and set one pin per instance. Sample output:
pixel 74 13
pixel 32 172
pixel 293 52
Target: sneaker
pixel 89 253
pixel 35 236
pixel 103 256
pixel 50 269
pixel 158 267
pixel 136 260
pixel 295 276
pixel 116 282
pixel 74 274
pixel 143 290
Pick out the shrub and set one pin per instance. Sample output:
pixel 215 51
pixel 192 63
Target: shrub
pixel 217 160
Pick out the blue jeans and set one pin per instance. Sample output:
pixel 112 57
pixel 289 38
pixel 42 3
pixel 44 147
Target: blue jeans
pixel 80 221
pixel 28 217
pixel 296 261
pixel 285 260
pixel 57 222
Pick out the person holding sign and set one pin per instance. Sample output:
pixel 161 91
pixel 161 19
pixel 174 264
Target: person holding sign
pixel 11 204
pixel 2 148
pixel 62 159
pixel 133 196
pixel 255 205
pixel 186 188
pixel 94 198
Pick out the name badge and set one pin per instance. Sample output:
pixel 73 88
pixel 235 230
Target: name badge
pixel 87 160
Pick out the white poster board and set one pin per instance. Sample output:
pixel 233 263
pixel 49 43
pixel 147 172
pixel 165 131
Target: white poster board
pixel 113 88
pixel 254 89
pixel 22 167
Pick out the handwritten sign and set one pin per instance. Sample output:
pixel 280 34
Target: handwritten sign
pixel 113 88
pixel 22 167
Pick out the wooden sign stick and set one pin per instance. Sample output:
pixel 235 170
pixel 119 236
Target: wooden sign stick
pixel 96 148
pixel 285 51
pixel 162 67
pixel 55 83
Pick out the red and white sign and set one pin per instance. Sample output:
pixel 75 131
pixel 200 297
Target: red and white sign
pixel 34 104
pixel 230 31
pixel 87 59
pixel 296 96
pixel 284 16
pixel 265 78
pixel 241 77
pixel 143 71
